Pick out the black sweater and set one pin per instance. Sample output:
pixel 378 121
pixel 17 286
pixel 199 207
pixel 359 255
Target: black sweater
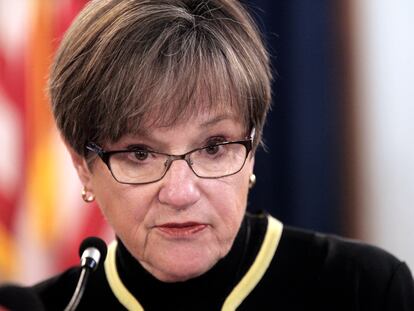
pixel 308 271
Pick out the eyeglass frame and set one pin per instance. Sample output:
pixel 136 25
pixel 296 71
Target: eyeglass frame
pixel 105 156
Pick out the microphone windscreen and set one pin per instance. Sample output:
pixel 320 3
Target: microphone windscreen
pixel 95 242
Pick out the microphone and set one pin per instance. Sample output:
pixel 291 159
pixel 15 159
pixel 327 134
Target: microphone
pixel 92 252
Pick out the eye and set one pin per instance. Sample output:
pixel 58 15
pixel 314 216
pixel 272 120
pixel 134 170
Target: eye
pixel 212 149
pixel 141 154
pixel 213 145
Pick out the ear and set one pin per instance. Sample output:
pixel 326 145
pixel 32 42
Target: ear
pixel 81 167
pixel 251 163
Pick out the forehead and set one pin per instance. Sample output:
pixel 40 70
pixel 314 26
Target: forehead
pixel 195 125
pixel 200 114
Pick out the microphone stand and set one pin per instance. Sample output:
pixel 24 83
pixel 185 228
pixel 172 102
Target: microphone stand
pixel 93 252
pixel 80 288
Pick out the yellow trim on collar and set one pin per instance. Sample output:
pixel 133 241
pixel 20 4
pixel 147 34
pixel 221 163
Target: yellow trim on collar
pixel 259 267
pixel 236 297
pixel 118 288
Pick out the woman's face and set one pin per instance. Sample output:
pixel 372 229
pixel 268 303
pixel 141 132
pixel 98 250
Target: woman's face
pixel 180 226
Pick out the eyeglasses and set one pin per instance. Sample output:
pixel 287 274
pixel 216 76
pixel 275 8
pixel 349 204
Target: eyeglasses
pixel 141 166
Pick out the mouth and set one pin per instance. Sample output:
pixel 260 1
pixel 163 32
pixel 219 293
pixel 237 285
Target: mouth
pixel 181 230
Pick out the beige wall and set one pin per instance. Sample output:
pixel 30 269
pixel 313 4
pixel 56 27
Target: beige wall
pixel 384 110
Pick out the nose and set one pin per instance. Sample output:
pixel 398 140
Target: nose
pixel 179 189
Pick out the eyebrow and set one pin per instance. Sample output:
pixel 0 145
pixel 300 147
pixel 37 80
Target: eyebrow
pixel 145 133
pixel 216 120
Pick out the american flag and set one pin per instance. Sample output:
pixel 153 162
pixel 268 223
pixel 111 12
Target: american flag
pixel 42 216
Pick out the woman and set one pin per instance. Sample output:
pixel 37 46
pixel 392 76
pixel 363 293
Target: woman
pixel 161 105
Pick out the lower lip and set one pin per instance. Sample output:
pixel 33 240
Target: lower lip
pixel 182 231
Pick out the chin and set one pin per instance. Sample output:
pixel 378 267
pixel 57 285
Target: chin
pixel 178 260
pixel 181 270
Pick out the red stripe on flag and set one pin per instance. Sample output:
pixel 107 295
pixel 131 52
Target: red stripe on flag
pixel 93 224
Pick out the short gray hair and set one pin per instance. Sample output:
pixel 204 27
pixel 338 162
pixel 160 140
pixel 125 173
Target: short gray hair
pixel 124 63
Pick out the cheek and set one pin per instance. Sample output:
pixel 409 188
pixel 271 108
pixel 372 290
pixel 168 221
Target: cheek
pixel 127 212
pixel 228 197
pixel 124 207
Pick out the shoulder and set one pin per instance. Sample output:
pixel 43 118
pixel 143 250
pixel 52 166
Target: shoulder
pixel 326 272
pixel 332 251
pixel 334 255
pixel 325 251
pixel 56 292
pixel 16 297
pixel 353 273
pixel 370 276
pixel 51 294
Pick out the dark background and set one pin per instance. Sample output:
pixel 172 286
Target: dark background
pixel 298 177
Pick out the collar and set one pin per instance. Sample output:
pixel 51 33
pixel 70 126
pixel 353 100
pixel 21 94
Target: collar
pixel 212 289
